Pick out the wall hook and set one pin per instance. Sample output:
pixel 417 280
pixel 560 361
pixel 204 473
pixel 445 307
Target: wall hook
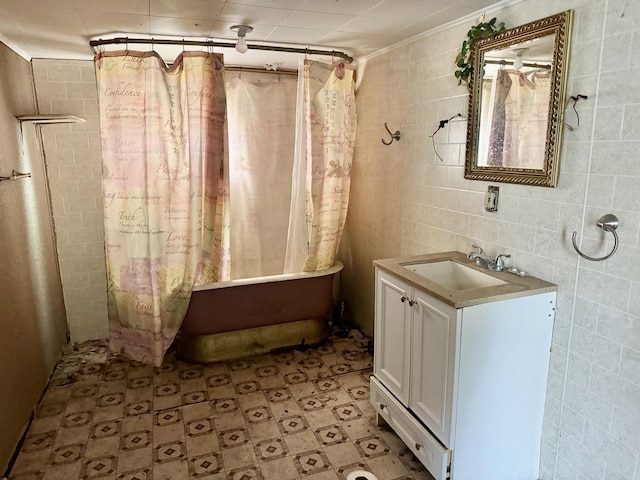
pixel 394 136
pixel 608 223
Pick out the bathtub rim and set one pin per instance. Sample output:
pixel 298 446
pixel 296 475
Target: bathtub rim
pixel 337 267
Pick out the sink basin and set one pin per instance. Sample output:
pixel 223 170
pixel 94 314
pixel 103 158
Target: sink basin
pixel 453 275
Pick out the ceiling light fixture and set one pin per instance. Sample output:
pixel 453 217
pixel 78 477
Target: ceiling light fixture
pixel 241 30
pixel 517 63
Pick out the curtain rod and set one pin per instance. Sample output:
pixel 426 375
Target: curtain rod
pixel 261 70
pixel 524 64
pixel 209 43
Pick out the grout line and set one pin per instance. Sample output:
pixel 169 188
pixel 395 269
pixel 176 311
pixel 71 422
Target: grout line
pixel 584 214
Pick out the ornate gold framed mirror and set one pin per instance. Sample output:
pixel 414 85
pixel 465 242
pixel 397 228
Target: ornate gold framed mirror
pixel 517 102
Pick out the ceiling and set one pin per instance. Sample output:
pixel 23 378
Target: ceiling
pixel 62 28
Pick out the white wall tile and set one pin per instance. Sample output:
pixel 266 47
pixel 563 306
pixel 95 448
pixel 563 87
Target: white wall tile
pixel 617 390
pixel 615 158
pixel 538 213
pixel 596 349
pixel 74 167
pixel 550 244
pixel 626 428
pixel 470 202
pixel 605 289
pixel 601 189
pixel 616 54
pixel 582 459
pixel 67 106
pixel 627 191
pixel 586 314
pixel 619 326
pixel 564 468
pixel 631 122
pixel 572 423
pixel 610 473
pixel 614 452
pixel 579 370
pixel 634 300
pixel 622 16
pixel 609 123
pixel 589 403
pixel 625 263
pixel 630 365
pixel 635 61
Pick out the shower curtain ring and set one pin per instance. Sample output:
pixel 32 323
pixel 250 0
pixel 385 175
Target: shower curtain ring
pixel 608 223
pixel 394 136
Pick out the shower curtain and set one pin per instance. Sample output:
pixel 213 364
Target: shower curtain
pixel 162 133
pixel 289 198
pixel 261 120
pixel 325 139
pixel 519 121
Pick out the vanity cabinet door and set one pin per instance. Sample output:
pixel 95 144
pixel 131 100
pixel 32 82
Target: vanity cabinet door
pixel 433 347
pixel 392 335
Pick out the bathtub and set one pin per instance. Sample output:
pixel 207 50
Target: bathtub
pixel 250 316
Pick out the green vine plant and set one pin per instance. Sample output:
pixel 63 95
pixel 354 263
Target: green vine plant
pixel 479 31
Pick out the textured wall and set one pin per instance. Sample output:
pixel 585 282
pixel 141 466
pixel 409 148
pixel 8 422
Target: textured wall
pixel 74 165
pixel 31 308
pixel 406 201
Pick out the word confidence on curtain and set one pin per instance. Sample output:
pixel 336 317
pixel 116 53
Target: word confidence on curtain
pixel 162 135
pixel 330 123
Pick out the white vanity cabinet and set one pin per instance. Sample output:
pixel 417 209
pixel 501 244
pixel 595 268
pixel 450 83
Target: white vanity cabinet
pixel 464 387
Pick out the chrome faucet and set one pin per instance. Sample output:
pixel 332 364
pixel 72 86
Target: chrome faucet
pixel 485 261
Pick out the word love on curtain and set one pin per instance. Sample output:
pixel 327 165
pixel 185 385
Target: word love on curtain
pixel 325 140
pixel 162 135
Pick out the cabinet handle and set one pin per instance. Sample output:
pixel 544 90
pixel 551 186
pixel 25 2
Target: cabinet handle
pixel 382 406
pixel 411 302
pixel 418 446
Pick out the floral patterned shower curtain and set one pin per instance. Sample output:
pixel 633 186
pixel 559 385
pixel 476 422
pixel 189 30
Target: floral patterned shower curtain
pixel 162 135
pixel 325 140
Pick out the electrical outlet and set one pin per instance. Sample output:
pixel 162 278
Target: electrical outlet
pixel 491 200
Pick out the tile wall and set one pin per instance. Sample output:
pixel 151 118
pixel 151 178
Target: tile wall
pixel 32 311
pixel 405 201
pixel 74 166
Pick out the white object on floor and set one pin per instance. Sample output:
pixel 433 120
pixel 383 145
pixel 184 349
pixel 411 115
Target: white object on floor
pixel 361 475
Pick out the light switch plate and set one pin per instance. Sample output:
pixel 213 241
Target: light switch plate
pixel 491 200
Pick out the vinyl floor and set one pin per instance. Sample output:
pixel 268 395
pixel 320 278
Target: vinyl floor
pixel 293 414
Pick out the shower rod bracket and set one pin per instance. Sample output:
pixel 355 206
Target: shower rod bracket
pixel 15 176
pixel 608 223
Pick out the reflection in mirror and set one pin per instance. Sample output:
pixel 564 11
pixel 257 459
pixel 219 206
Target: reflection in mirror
pixel 516 88
pixel 516 103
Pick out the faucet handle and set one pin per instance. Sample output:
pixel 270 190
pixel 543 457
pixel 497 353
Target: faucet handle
pixel 479 252
pixel 499 262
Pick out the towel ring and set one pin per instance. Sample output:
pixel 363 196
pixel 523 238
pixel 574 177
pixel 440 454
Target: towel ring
pixel 608 223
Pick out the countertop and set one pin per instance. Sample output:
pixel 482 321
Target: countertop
pixel 515 287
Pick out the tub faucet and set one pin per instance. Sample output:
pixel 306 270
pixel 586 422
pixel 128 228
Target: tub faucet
pixel 485 261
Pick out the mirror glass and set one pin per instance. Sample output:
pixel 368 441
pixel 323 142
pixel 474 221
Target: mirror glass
pixel 516 103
